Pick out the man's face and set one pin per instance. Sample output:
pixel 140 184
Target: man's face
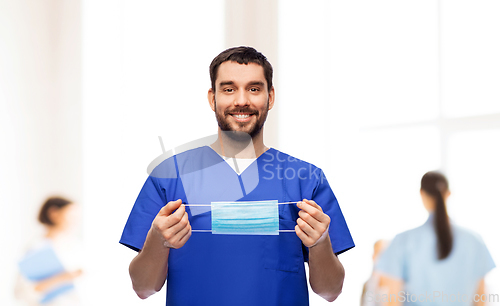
pixel 241 99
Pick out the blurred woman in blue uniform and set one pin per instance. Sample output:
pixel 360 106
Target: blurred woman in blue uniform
pixel 52 263
pixel 438 263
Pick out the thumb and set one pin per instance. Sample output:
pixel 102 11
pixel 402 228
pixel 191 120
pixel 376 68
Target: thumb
pixel 171 206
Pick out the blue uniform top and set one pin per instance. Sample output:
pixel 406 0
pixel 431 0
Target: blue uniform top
pixel 412 257
pixel 232 270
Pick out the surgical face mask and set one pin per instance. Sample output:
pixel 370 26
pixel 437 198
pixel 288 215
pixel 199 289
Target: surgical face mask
pixel 245 218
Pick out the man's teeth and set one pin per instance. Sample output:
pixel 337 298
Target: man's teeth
pixel 241 116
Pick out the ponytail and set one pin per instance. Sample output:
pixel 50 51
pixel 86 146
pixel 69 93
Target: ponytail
pixel 435 185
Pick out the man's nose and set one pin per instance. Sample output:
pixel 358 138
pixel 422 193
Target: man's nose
pixel 242 98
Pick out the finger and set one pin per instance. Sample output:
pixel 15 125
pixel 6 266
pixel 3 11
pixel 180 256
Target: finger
pixel 307 218
pixel 185 235
pixel 164 223
pixel 305 227
pixel 181 237
pixel 178 226
pixel 177 215
pixel 306 240
pixel 181 233
pixel 312 203
pixel 313 233
pixel 313 212
pixel 318 228
pixel 170 207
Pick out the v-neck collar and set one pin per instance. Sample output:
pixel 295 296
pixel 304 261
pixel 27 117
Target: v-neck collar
pixel 227 165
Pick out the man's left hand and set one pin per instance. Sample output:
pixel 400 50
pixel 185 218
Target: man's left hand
pixel 312 224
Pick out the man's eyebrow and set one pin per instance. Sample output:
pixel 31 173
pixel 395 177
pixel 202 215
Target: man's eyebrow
pixel 224 83
pixel 254 83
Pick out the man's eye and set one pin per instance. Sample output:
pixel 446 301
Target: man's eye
pixel 228 90
pixel 254 89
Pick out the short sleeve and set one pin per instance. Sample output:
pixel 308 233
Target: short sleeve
pixel 392 261
pixel 484 262
pixel 149 202
pixel 340 235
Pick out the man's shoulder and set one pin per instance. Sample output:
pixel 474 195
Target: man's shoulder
pixel 170 164
pixel 274 155
pixel 292 169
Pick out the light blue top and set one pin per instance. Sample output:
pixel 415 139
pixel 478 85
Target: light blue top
pixel 412 257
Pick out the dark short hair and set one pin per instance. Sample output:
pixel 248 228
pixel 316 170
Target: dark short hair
pixel 242 55
pixel 52 202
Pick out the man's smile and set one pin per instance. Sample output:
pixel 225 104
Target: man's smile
pixel 241 117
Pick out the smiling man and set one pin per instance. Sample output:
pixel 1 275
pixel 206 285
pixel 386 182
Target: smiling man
pixel 243 94
pixel 249 249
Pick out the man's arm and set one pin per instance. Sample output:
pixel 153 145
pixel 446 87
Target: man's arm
pixel 326 273
pixel 148 270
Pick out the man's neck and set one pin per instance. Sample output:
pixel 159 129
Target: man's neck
pixel 245 148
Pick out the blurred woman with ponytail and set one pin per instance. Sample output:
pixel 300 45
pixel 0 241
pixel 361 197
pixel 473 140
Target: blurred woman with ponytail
pixel 438 263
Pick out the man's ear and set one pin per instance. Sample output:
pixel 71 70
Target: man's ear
pixel 211 99
pixel 271 98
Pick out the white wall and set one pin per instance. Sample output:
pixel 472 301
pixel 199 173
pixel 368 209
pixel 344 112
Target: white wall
pixel 40 142
pixel 255 23
pixel 145 74
pixel 379 92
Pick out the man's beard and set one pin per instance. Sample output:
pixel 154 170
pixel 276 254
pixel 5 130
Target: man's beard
pixel 237 135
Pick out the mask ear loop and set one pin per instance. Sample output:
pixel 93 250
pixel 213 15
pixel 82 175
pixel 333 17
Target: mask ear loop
pixel 285 195
pixel 240 204
pixel 285 187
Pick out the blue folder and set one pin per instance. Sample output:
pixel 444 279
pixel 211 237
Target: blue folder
pixel 41 264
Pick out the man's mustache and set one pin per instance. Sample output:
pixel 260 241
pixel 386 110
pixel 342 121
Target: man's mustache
pixel 241 110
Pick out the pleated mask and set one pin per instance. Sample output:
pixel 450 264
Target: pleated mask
pixel 245 218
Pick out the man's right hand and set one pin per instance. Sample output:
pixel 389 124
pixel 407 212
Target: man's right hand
pixel 172 224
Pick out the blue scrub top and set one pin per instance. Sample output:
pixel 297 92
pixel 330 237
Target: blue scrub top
pixel 213 269
pixel 412 257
